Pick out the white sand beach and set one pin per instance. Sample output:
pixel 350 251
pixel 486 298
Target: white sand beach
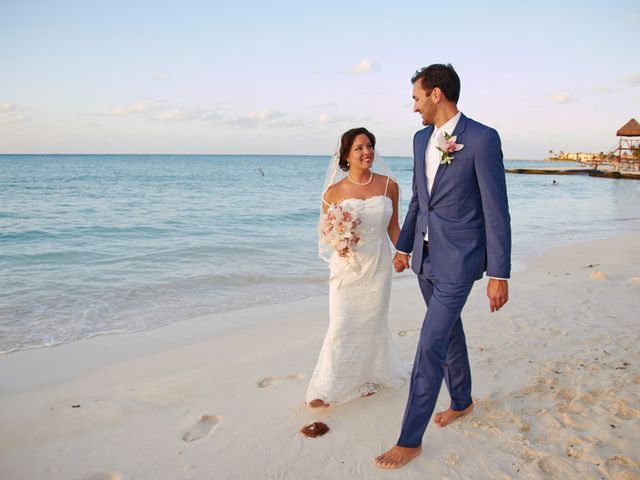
pixel 556 384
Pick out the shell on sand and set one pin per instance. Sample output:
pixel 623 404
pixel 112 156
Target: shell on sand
pixel 596 275
pixel 315 429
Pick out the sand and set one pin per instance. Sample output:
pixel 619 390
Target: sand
pixel 555 372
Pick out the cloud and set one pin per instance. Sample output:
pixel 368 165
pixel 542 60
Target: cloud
pixel 188 115
pixel 365 66
pixel 13 119
pixel 561 98
pixel 162 76
pixel 268 116
pixel 139 109
pixel 162 112
pixel 173 116
pixel 9 114
pixel 154 111
pixel 635 16
pixel 325 105
pixel 212 116
pixel 634 79
pixel 601 89
pixel 265 115
pixel 325 118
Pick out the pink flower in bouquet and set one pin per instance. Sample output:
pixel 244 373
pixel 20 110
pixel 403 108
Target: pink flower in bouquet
pixel 339 229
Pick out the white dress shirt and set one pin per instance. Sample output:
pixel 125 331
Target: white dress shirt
pixel 433 155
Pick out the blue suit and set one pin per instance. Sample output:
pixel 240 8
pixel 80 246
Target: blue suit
pixel 467 217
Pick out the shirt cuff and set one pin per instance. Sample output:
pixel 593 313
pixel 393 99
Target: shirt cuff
pixel 399 251
pixel 497 278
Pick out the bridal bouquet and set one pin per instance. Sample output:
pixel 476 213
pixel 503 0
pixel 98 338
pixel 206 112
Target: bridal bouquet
pixel 339 229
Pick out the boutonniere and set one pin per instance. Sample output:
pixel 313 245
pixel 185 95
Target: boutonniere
pixel 448 146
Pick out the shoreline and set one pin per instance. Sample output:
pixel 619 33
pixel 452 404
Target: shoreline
pixel 519 265
pixel 230 320
pixel 569 344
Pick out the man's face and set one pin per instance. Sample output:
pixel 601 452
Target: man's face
pixel 423 104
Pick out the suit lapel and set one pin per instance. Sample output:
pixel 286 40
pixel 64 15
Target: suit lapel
pixel 421 151
pixel 460 126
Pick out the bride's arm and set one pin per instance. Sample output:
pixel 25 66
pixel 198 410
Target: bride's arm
pixel 394 228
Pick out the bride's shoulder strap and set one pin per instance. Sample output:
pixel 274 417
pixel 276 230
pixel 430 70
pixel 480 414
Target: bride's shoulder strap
pixel 386 186
pixel 330 193
pixel 323 199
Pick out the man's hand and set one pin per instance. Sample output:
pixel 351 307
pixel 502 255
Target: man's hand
pixel 498 293
pixel 400 261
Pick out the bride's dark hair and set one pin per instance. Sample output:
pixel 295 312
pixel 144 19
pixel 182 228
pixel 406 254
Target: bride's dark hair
pixel 346 142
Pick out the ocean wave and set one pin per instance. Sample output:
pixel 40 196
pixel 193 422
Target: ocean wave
pixel 62 319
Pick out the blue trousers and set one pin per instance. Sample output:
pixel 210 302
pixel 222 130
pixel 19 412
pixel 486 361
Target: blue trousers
pixel 442 353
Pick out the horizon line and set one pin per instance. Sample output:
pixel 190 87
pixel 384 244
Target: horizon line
pixel 229 155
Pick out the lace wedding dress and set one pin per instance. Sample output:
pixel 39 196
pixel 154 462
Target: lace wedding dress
pixel 358 356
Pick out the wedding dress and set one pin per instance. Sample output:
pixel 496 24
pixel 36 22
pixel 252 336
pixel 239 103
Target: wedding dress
pixel 358 355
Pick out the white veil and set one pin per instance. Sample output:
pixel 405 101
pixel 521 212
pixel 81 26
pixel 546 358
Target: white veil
pixel 334 175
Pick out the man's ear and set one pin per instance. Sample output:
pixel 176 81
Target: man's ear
pixel 436 95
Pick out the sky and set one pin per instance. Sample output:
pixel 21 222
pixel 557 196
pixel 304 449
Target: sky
pixel 276 77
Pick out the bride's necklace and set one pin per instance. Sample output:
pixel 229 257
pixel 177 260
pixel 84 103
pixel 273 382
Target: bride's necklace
pixel 364 183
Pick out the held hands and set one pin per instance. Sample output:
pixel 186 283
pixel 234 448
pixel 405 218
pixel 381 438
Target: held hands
pixel 400 261
pixel 498 293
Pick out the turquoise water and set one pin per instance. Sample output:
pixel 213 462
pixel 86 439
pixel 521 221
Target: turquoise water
pixel 92 244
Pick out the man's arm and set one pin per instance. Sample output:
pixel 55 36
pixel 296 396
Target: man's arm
pixel 407 233
pixel 495 206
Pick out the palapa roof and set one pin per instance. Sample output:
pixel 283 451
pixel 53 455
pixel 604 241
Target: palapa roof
pixel 630 129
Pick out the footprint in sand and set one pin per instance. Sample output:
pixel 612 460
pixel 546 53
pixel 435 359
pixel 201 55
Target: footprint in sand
pixel 105 476
pixel 623 411
pixel 452 459
pixel 203 427
pixel 406 333
pixel 621 467
pixel 268 381
pixel 554 466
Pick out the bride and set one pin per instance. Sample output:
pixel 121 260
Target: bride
pixel 358 356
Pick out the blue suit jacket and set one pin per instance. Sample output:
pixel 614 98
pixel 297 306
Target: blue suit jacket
pixel 467 212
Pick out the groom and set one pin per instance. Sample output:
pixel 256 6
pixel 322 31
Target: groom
pixel 457 227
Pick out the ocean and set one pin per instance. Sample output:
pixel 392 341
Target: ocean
pixel 97 244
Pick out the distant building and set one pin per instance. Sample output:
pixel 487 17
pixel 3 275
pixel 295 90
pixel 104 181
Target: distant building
pixel 629 145
pixel 624 156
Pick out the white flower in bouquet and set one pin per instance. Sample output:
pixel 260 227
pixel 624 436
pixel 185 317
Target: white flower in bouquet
pixel 339 229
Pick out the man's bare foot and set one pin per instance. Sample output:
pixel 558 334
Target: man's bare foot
pixel 442 419
pixel 317 403
pixel 397 457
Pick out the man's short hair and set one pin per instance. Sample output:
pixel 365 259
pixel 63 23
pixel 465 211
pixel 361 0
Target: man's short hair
pixel 442 76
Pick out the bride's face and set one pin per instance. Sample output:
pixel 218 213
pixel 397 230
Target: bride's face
pixel 361 153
